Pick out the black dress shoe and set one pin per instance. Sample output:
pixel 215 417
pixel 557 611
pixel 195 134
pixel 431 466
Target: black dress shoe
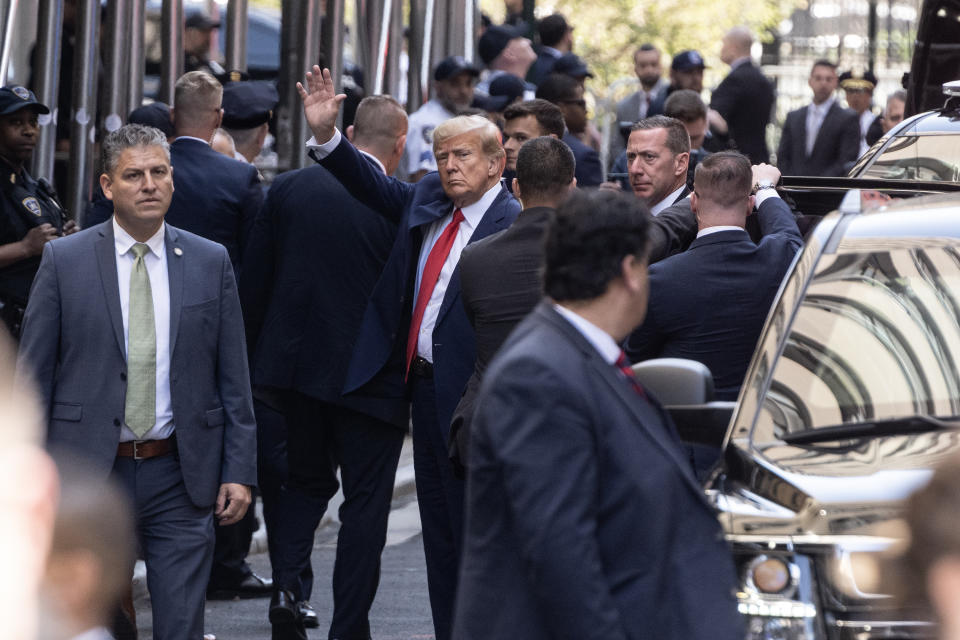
pixel 307 615
pixel 253 586
pixel 283 608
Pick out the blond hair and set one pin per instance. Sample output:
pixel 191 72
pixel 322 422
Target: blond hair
pixel 490 139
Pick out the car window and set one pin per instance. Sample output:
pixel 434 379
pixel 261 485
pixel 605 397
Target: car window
pixel 877 336
pixel 919 157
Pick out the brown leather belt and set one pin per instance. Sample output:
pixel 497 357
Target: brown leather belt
pixel 421 367
pixel 143 449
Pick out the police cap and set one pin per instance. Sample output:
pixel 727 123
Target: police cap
pixel 248 104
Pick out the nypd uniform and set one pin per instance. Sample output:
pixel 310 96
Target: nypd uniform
pixel 26 203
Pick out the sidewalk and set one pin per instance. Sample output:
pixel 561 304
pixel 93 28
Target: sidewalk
pixel 403 486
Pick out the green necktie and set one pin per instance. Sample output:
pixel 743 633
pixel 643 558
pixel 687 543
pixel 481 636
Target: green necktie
pixel 140 410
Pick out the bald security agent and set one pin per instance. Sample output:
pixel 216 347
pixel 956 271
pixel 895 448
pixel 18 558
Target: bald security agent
pixel 584 518
pixel 30 215
pixel 134 339
pixel 311 273
pixel 415 340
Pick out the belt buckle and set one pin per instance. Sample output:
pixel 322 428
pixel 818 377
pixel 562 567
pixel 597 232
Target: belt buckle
pixel 136 454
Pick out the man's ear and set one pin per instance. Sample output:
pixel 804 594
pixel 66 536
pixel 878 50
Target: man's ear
pixel 219 118
pixel 350 133
pixel 516 190
pixel 400 144
pixel 683 162
pixel 105 184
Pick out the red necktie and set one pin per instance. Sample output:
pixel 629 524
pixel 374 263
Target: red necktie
pixel 624 365
pixel 431 273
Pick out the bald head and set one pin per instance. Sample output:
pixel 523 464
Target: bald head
pixel 380 128
pixel 736 44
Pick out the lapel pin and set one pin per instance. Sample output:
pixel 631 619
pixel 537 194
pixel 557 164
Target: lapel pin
pixel 178 251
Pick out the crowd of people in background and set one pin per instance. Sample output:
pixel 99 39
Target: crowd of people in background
pixel 477 270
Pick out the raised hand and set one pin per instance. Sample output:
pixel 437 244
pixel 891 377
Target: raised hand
pixel 321 104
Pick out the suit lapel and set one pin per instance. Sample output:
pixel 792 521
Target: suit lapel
pixel 107 260
pixel 494 219
pixel 802 130
pixel 645 410
pixel 175 258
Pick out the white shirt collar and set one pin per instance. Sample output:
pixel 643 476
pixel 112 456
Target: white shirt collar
pixel 375 159
pixel 97 633
pixel 666 202
pixel 206 142
pixel 123 240
pixel 553 53
pixel 824 106
pixel 717 229
pixel 473 213
pixel 602 341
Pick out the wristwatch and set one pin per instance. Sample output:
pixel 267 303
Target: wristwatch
pixel 764 184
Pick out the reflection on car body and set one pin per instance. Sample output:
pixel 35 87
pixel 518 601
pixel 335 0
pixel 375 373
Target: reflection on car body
pixel 851 399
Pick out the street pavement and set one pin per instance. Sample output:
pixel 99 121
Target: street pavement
pixel 401 610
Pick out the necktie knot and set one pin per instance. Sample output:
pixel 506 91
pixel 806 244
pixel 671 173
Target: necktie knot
pixel 140 249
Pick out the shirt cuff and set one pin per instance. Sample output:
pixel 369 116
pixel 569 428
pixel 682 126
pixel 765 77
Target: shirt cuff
pixel 763 195
pixel 321 151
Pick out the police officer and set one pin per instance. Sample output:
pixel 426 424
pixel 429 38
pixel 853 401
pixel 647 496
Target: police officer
pixel 247 110
pixel 31 215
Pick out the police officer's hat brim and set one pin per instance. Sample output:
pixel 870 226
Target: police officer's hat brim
pixel 13 108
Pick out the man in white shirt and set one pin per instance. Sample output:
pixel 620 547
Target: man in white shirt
pixel 822 138
pixel 454 80
pixel 658 151
pixel 150 383
pixel 415 339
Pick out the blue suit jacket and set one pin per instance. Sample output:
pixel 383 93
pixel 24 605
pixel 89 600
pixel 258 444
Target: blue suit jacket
pixel 588 170
pixel 584 519
pixel 379 352
pixel 308 273
pixel 73 346
pixel 214 196
pixel 710 302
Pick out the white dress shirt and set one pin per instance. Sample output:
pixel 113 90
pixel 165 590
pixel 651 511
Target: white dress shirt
pixel 472 215
pixel 866 119
pixel 666 202
pixel 815 116
pixel 718 228
pixel 602 341
pixel 98 633
pixel 323 150
pixel 156 262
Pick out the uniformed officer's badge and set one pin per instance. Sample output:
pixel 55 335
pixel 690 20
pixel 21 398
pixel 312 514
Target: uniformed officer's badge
pixel 427 134
pixel 21 92
pixel 32 206
pixel 235 76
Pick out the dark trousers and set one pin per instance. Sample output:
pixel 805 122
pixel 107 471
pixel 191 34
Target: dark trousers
pixel 176 542
pixel 320 438
pixel 230 551
pixel 272 473
pixel 440 497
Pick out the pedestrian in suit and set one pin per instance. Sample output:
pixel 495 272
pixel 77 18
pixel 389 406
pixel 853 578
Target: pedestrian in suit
pixel 822 138
pixel 567 93
pixel 500 275
pixel 310 275
pixel 709 303
pixel 415 330
pixel 215 197
pixel 742 103
pixel 658 152
pixel 580 498
pixel 556 39
pixel 151 382
pixel 646 65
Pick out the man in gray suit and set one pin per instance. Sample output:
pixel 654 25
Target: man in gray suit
pixel 135 340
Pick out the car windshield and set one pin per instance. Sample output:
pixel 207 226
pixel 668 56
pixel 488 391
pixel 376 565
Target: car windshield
pixel 930 157
pixel 877 337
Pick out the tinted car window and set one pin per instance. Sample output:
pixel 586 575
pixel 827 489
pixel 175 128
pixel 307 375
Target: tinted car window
pixel 877 336
pixel 918 157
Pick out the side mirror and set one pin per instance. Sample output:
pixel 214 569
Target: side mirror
pixel 675 381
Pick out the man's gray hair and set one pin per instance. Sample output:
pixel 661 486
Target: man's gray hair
pixel 127 137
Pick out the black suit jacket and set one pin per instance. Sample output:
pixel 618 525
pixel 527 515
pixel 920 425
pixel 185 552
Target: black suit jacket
pixel 710 302
pixel 214 196
pixel 588 170
pixel 835 150
pixel 541 67
pixel 309 271
pixel 584 519
pixel 745 100
pixel 378 355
